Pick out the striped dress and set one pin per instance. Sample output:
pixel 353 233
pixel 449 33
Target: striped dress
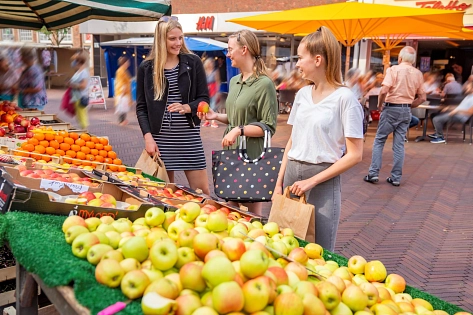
pixel 179 144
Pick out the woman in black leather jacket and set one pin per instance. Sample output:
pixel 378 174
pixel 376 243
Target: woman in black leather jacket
pixel 171 83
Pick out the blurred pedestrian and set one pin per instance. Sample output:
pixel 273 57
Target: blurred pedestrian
pixel 213 84
pixel 79 84
pixel 8 79
pixel 31 85
pixel 402 89
pixel 451 87
pixel 170 85
pixel 352 81
pixel 431 84
pixel 326 118
pixel 122 90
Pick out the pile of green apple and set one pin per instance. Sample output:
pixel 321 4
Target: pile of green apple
pixel 190 262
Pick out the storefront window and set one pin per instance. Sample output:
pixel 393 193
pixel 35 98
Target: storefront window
pixel 7 34
pixel 26 35
pixel 376 60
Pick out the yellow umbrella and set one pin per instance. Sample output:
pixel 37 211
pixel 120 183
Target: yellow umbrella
pixel 351 21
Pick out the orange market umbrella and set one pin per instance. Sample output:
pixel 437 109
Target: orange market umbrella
pixel 351 21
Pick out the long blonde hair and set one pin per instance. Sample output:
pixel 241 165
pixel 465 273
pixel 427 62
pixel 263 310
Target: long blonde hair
pixel 249 39
pixel 159 54
pixel 323 42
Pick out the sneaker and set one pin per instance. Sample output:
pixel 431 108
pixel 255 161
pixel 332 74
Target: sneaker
pixel 390 180
pixel 433 136
pixel 371 179
pixel 438 140
pixel 206 124
pixel 214 125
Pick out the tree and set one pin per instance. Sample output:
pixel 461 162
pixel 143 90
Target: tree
pixel 56 36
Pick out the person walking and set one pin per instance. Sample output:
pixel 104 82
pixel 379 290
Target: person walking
pixel 122 90
pixel 402 90
pixel 251 98
pixel 170 85
pixel 8 79
pixel 326 120
pixel 213 83
pixel 31 85
pixel 79 84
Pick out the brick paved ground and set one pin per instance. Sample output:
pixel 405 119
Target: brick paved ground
pixel 421 230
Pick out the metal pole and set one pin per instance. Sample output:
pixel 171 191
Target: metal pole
pixel 347 60
pixel 292 51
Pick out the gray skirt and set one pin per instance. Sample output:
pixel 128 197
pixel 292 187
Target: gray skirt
pixel 326 197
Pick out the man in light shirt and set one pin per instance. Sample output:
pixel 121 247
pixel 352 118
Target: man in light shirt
pixel 401 91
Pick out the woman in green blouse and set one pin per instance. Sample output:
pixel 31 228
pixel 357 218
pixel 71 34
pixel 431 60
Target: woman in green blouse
pixel 251 98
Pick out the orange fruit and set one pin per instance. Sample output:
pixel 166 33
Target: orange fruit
pixel 90 144
pixel 84 163
pixel 44 143
pixel 29 147
pixel 22 153
pixel 67 160
pixel 76 162
pixel 99 158
pixel 107 147
pixel 50 150
pixel 46 158
pixel 103 141
pixel 65 146
pixel 112 154
pixel 23 145
pixel 85 137
pixel 117 162
pixel 113 168
pixel 33 141
pixel 80 142
pixel 63 133
pixel 94 139
pixel 49 136
pixel 80 155
pixel 54 144
pixel 39 136
pixel 74 136
pixel 99 146
pixel 75 147
pixel 59 139
pixel 40 149
pixel 68 140
pixel 94 151
pixel 60 152
pixel 103 153
pixel 86 150
pixel 35 156
pixel 89 157
pixel 71 153
pixel 122 168
pixel 108 160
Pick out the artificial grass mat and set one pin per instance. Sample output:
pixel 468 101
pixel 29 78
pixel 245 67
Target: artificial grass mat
pixel 37 242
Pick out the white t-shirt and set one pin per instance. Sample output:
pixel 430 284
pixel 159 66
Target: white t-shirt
pixel 319 130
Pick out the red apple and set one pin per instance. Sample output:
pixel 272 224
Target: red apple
pixel 25 123
pixel 35 121
pixel 2 132
pixel 29 134
pixel 18 119
pixel 19 129
pixel 11 126
pixel 203 107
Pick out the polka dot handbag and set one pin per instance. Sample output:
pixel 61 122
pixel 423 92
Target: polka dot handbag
pixel 238 178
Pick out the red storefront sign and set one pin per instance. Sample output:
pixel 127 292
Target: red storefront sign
pixel 452 5
pixel 205 23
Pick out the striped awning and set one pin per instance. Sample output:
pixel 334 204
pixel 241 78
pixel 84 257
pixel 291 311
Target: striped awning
pixel 56 14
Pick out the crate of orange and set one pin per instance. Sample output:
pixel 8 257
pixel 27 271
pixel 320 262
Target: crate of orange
pixel 79 150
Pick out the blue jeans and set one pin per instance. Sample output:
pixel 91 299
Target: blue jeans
pixel 393 120
pixel 414 121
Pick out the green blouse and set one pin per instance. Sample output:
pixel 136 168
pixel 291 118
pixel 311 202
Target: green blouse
pixel 253 100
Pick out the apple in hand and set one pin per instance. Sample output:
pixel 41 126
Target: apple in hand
pixel 134 284
pixel 228 297
pixel 203 107
pixel 96 252
pixel 189 212
pixel 154 216
pixel 73 232
pixel 109 272
pixel 154 304
pixel 82 243
pixel 163 254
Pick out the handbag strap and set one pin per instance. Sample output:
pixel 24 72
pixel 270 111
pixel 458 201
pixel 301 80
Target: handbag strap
pixel 266 144
pixel 287 194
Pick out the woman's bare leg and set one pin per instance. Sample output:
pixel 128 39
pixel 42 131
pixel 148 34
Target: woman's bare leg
pixel 198 180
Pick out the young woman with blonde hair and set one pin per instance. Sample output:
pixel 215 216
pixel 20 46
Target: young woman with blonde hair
pixel 170 85
pixel 251 98
pixel 327 121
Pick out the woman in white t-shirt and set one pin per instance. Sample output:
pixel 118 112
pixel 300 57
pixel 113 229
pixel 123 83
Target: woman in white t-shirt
pixel 327 120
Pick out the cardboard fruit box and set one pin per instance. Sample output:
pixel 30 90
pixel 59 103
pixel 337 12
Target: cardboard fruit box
pixel 16 197
pixel 175 192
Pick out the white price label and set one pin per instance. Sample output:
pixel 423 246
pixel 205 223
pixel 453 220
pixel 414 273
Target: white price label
pixel 51 184
pixel 77 188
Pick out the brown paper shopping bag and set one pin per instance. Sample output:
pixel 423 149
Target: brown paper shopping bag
pixel 295 214
pixel 152 165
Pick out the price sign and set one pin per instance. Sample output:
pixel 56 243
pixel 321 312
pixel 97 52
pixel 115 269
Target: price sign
pixel 51 184
pixel 77 188
pixel 6 190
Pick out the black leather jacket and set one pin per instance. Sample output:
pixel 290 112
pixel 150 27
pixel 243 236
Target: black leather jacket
pixel 192 85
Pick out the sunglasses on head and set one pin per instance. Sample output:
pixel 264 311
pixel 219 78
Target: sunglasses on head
pixel 167 18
